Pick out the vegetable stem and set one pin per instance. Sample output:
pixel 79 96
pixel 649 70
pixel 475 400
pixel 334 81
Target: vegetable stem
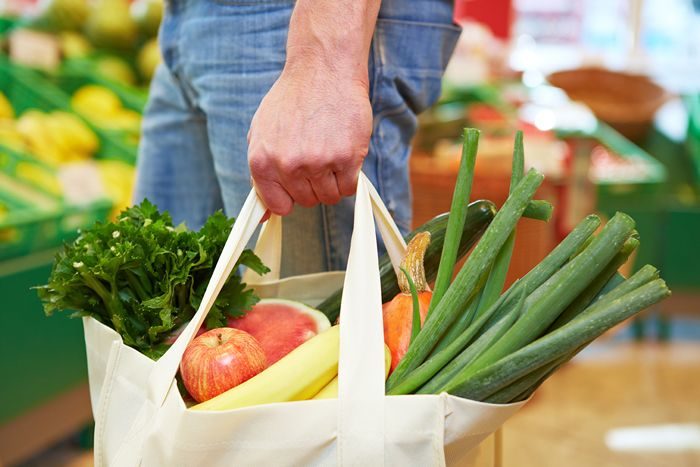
pixel 415 324
pixel 463 288
pixel 546 303
pixel 556 344
pixel 458 215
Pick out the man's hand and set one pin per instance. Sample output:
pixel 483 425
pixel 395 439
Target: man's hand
pixel 311 132
pixel 308 138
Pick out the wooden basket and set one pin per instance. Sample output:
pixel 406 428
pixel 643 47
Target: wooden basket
pixel 627 102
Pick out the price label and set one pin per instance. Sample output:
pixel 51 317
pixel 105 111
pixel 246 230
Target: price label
pixel 35 49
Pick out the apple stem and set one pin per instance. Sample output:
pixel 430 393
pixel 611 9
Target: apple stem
pixel 221 341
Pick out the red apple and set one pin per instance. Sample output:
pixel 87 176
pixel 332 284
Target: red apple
pixel 218 360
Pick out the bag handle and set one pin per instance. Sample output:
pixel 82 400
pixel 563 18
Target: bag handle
pixel 269 244
pixel 361 364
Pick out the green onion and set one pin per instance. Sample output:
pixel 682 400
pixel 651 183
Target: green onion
pixel 475 349
pixel 586 297
pixel 601 317
pixel 462 290
pixel 458 214
pixel 433 364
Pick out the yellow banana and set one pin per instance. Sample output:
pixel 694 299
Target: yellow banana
pixel 330 390
pixel 297 376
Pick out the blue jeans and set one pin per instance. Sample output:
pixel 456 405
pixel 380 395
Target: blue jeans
pixel 220 59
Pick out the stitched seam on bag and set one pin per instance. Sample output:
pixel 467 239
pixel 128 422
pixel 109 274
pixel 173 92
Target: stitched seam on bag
pixel 107 387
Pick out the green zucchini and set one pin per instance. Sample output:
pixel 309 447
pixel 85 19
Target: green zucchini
pixel 479 215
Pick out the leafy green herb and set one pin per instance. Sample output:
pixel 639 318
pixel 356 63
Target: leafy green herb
pixel 145 277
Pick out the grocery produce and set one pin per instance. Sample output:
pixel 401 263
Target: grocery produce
pixel 398 313
pixel 280 325
pixel 479 214
pixel 116 69
pixel 148 15
pixel 458 215
pixel 110 24
pixel 62 15
pixel 103 107
pixel 299 375
pixel 330 390
pixel 6 110
pixel 10 137
pixel 74 45
pixel 514 341
pixel 464 287
pixel 56 137
pixel 219 360
pixel 145 277
pixel 148 59
pixel 118 182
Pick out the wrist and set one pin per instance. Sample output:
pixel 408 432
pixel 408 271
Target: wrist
pixel 332 37
pixel 310 63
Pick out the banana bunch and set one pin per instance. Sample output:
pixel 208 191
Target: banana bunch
pixel 56 137
pixel 308 372
pixel 103 107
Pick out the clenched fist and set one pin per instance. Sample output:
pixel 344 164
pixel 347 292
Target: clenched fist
pixel 309 137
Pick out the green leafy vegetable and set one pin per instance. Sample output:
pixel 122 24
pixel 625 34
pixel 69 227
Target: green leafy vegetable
pixel 145 277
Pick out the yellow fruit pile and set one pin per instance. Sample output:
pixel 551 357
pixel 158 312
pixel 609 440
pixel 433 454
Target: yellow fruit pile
pixel 56 137
pixel 52 137
pixel 118 182
pixel 103 107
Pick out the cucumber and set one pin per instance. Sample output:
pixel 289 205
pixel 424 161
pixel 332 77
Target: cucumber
pixel 479 215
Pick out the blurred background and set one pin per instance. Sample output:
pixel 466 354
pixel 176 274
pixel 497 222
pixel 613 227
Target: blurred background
pixel 606 91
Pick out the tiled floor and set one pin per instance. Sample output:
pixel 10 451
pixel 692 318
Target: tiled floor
pixel 612 385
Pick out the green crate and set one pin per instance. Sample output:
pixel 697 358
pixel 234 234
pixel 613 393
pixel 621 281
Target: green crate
pixel 42 357
pixel 27 89
pixel 36 220
pixel 693 138
pixel 680 253
pixel 79 72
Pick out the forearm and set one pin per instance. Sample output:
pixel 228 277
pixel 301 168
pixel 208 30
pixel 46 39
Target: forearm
pixel 333 35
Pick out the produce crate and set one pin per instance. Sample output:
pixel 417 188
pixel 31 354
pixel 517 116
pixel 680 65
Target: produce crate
pixel 32 220
pixel 27 89
pixel 78 72
pixel 47 354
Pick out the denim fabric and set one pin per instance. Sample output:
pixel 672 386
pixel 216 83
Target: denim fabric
pixel 220 59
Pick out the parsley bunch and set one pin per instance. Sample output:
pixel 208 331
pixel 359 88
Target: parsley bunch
pixel 145 278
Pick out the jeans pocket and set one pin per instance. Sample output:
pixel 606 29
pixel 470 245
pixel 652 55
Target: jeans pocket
pixel 411 56
pixel 408 61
